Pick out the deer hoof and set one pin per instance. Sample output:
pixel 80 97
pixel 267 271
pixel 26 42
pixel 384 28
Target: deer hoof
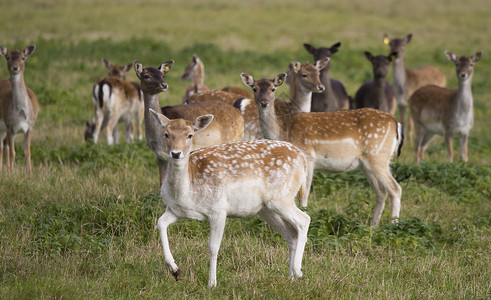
pixel 177 274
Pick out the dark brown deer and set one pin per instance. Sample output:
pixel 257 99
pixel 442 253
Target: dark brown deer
pixel 377 92
pixel 334 97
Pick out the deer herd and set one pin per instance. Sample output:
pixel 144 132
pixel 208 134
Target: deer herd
pixel 236 152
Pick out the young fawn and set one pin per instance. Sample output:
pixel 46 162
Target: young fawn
pixel 377 92
pixel 437 110
pixel 115 100
pixel 231 180
pixel 18 108
pixel 338 141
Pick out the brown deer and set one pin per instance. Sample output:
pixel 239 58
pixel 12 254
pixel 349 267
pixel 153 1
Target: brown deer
pixel 194 72
pixel 377 92
pixel 407 81
pixel 442 111
pixel 115 100
pixel 334 97
pixel 227 126
pixel 304 80
pixel 338 141
pixel 231 180
pixel 18 108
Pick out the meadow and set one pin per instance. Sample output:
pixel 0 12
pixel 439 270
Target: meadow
pixel 84 226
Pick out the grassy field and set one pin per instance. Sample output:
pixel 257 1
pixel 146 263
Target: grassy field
pixel 84 226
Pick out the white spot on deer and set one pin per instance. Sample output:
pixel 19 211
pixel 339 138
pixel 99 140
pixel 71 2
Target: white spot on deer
pixel 279 162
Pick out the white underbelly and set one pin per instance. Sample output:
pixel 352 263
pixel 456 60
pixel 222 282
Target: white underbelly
pixel 21 126
pixel 336 165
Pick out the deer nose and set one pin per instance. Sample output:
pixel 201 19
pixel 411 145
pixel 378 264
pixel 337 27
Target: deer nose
pixel 320 88
pixel 264 103
pixel 462 75
pixel 15 68
pixel 175 154
pixel 164 86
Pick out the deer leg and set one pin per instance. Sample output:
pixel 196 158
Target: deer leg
pixel 139 120
pixel 128 130
pixel 463 146
pixel 425 140
pixel 380 194
pixel 112 129
pixel 100 123
pixel 217 226
pixel 164 221
pixel 300 221
pixel 10 141
pixel 448 143
pixel 305 191
pixel 2 145
pixel 27 151
pixel 402 115
pixel 286 230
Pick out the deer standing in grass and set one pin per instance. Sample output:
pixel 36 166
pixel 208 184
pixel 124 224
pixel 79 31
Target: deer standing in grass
pixel 18 108
pixel 443 111
pixel 334 97
pixel 115 100
pixel 231 180
pixel 407 81
pixel 377 92
pixel 338 141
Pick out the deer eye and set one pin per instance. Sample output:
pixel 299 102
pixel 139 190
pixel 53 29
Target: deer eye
pixel 273 89
pixel 190 136
pixel 147 77
pixel 166 135
pixel 304 75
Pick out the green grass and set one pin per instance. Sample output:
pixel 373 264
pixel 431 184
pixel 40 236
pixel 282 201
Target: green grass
pixel 84 226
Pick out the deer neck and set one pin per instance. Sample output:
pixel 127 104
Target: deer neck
pixel 269 123
pixel 199 77
pixel 177 181
pixel 300 98
pixel 20 96
pixel 464 96
pixel 153 130
pixel 379 84
pixel 399 73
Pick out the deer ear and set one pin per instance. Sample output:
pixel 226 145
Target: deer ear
pixel 295 66
pixel 29 50
pixel 451 57
pixel 477 56
pixel 368 55
pixel 248 80
pixel 165 67
pixel 127 67
pixel 202 122
pixel 163 120
pixel 334 48
pixel 309 48
pixel 408 38
pixel 138 68
pixel 279 79
pixel 321 64
pixel 106 63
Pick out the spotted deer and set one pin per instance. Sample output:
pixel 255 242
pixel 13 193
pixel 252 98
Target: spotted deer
pixel 334 97
pixel 437 110
pixel 407 81
pixel 304 80
pixel 377 92
pixel 115 100
pixel 231 180
pixel 338 141
pixel 18 108
pixel 194 72
pixel 227 125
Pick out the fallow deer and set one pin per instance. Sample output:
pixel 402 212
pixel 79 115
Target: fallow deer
pixel 338 141
pixel 334 97
pixel 231 180
pixel 442 111
pixel 18 108
pixel 194 72
pixel 115 100
pixel 407 81
pixel 377 92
